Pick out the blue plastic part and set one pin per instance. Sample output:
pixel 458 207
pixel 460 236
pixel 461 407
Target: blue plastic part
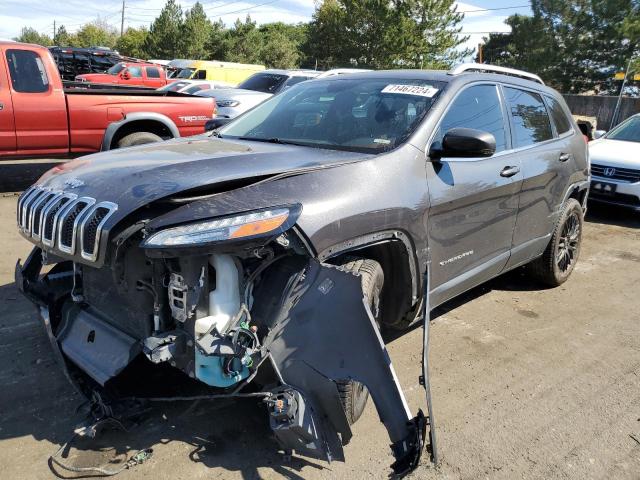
pixel 209 370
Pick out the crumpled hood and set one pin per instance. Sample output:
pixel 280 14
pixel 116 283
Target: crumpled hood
pixel 133 177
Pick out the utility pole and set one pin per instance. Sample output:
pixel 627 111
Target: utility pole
pixel 480 56
pixel 616 111
pixel 54 32
pixel 122 20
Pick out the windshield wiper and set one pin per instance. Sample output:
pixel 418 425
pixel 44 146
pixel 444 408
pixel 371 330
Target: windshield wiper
pixel 270 140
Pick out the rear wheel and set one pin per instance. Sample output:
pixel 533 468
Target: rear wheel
pixel 138 138
pixel 559 259
pixel 354 395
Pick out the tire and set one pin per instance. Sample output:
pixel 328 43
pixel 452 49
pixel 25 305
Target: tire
pixel 354 395
pixel 559 259
pixel 138 138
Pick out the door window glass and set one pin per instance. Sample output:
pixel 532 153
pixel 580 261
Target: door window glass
pixel 153 72
pixel 135 72
pixel 27 71
pixel 560 119
pixel 477 107
pixel 201 75
pixel 529 116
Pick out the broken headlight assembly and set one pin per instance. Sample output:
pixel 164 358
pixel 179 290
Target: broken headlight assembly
pixel 240 227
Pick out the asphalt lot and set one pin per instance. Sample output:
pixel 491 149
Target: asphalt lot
pixel 527 383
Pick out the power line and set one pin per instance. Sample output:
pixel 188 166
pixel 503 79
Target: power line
pixel 495 9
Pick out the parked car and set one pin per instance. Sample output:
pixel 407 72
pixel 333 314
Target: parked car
pixel 615 165
pixel 229 72
pixel 341 71
pixel 263 260
pixel 38 117
pixel 77 61
pixel 129 74
pixel 192 87
pixel 255 90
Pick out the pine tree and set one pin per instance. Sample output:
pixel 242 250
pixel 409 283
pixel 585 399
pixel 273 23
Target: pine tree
pixel 164 39
pixel 195 32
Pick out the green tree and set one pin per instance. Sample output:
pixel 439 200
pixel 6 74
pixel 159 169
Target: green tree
pixel 96 34
pixel 216 45
pixel 326 39
pixel 164 39
pixel 379 34
pixel 433 38
pixel 132 42
pixel 31 35
pixel 575 45
pixel 195 32
pixel 243 42
pixel 63 38
pixel 280 44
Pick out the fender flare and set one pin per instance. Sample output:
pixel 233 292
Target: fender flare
pixel 113 127
pixel 579 186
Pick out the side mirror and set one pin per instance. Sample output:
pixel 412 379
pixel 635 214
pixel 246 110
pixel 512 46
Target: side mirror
pixel 126 75
pixel 599 134
pixel 465 143
pixel 215 123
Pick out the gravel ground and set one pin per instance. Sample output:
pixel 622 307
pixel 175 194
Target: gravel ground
pixel 527 383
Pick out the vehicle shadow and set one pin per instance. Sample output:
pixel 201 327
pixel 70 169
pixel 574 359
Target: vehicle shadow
pixel 38 402
pixel 612 215
pixel 17 175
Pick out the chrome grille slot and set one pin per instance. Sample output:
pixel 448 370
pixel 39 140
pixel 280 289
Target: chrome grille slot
pixel 26 208
pixel 68 222
pixel 91 229
pixel 36 212
pixel 50 217
pixel 21 201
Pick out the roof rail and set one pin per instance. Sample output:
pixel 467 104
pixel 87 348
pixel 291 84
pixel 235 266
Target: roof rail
pixel 481 67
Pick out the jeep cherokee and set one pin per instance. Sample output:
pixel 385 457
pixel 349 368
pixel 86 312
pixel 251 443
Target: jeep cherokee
pixel 265 258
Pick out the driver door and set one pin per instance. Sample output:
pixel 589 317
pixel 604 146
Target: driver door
pixel 474 201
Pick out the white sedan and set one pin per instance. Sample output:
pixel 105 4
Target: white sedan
pixel 194 86
pixel 615 165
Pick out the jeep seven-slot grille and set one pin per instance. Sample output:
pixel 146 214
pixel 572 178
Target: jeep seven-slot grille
pixel 615 173
pixel 59 220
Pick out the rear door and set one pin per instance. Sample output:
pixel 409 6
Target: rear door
pixel 40 110
pixel 153 77
pixel 7 123
pixel 544 151
pixel 473 203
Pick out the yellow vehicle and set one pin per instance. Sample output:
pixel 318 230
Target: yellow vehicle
pixel 228 72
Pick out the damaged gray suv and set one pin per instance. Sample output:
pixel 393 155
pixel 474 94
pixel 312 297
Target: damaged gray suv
pixel 264 259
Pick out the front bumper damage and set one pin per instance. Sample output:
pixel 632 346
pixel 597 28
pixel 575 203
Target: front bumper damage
pixel 320 331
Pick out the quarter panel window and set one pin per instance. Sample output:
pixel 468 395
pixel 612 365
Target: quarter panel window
pixel 27 72
pixel 558 115
pixel 477 107
pixel 153 72
pixel 529 117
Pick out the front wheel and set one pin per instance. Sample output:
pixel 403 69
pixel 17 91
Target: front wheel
pixel 353 394
pixel 559 259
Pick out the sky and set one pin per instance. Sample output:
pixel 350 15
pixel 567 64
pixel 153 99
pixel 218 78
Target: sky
pixel 40 14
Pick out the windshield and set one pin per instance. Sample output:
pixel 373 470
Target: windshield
pixel 372 115
pixel 116 69
pixel 628 131
pixel 185 73
pixel 264 82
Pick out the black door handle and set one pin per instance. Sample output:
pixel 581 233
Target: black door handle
pixel 509 171
pixel 564 157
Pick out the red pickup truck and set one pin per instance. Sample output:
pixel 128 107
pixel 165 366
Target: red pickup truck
pixel 39 118
pixel 133 74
